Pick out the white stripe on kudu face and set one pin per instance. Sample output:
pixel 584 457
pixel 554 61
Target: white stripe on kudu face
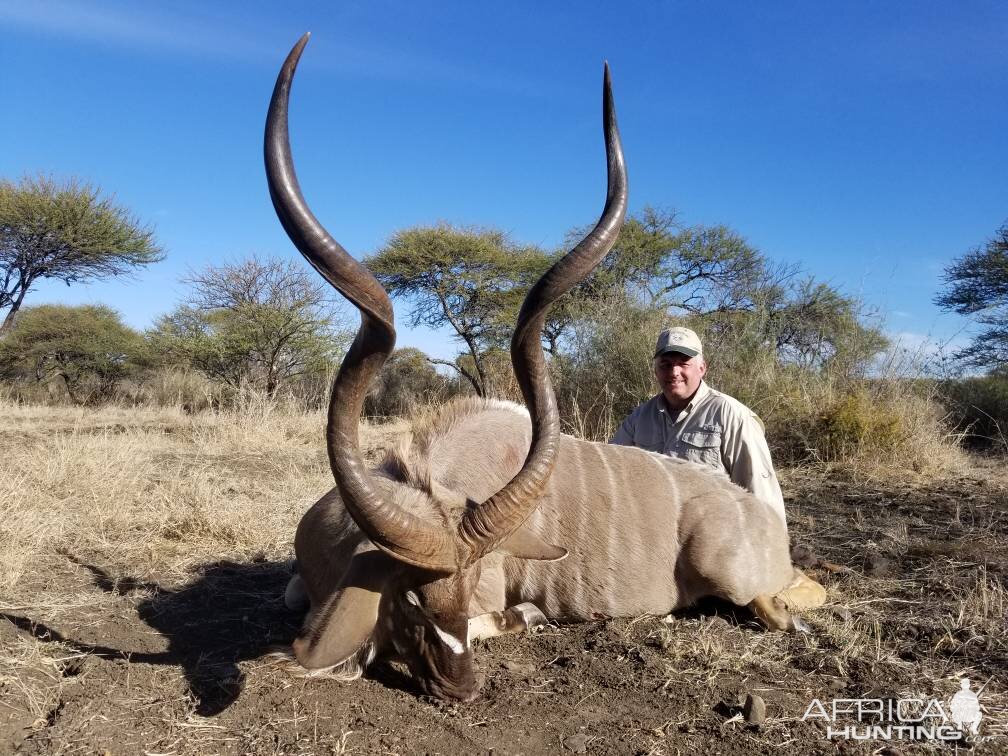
pixel 449 640
pixel 456 646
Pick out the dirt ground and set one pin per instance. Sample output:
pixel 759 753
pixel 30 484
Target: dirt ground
pixel 177 664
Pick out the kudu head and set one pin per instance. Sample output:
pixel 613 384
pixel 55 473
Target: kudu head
pixel 422 564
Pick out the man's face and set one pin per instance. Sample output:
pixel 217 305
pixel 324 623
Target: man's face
pixel 679 376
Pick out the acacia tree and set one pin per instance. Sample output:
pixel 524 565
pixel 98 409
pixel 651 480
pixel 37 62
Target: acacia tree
pixel 66 231
pixel 473 280
pixel 261 323
pixel 87 347
pixel 814 325
pixel 468 279
pixel 978 287
pixel 686 270
pixel 713 277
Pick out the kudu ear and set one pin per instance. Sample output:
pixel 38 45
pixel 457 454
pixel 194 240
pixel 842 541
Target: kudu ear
pixel 525 544
pixel 345 621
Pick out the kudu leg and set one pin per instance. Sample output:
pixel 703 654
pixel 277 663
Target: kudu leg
pixel 515 619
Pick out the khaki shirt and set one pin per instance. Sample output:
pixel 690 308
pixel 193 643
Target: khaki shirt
pixel 714 430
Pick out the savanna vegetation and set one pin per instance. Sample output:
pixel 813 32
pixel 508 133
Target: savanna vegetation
pixel 151 483
pixel 811 360
pixel 144 552
pixel 976 285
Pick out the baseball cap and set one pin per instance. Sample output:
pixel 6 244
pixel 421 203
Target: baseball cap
pixel 682 340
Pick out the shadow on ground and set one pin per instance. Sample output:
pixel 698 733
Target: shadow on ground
pixel 229 613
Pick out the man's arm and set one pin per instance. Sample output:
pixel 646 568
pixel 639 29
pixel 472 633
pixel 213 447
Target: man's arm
pixel 746 457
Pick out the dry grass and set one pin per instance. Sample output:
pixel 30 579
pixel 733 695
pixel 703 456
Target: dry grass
pixel 154 496
pixel 150 495
pixel 152 490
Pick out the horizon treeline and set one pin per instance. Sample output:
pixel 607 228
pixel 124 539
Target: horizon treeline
pixel 809 359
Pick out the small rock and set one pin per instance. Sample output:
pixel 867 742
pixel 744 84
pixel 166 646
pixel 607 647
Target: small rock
pixel 519 668
pixel 836 684
pixel 842 612
pixel 803 556
pixel 577 743
pixel 878 566
pixel 754 710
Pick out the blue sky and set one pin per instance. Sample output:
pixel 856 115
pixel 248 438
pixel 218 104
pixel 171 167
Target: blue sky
pixel 864 141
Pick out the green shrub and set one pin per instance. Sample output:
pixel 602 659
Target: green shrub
pixel 81 352
pixel 407 382
pixel 855 422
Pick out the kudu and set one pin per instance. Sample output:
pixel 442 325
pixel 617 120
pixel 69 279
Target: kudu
pixel 452 537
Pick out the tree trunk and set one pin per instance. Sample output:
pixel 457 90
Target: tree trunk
pixel 8 320
pixel 15 305
pixel 69 389
pixel 461 371
pixel 482 388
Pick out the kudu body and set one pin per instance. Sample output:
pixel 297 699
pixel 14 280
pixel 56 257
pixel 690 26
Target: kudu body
pixel 489 517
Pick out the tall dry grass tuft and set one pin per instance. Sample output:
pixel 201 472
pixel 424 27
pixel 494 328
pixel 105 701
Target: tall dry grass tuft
pixel 174 387
pixel 606 371
pixel 872 427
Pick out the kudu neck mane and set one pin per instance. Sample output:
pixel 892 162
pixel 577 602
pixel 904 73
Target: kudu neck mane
pixel 467 446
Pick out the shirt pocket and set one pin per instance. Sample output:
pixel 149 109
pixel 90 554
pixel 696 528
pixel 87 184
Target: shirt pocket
pixel 703 446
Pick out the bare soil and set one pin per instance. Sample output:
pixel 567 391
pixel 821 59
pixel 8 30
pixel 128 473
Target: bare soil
pixel 916 576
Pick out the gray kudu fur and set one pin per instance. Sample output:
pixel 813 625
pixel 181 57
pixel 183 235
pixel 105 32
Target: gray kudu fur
pixel 452 537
